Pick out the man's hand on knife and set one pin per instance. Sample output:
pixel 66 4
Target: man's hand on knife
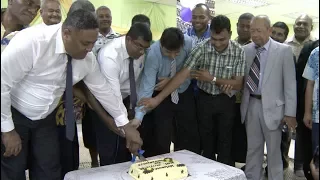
pixel 133 139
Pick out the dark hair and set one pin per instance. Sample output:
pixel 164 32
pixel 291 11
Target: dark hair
pixel 81 19
pixel 172 39
pixel 282 25
pixel 246 16
pixel 140 30
pixel 219 23
pixel 200 5
pixel 81 4
pixel 140 18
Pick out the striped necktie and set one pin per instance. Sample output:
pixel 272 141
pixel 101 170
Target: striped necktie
pixel 174 94
pixel 254 73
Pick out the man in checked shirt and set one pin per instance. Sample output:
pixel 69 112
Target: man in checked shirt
pixel 214 63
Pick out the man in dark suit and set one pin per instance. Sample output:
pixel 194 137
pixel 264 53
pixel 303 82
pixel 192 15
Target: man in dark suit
pixel 303 146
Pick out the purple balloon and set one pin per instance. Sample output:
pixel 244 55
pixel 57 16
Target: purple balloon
pixel 186 14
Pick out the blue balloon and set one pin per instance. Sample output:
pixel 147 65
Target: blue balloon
pixel 186 14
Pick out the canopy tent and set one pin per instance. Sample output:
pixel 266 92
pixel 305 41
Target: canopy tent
pixel 161 13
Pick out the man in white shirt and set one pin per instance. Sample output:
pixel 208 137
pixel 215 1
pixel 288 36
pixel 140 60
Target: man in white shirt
pixel 50 12
pixel 121 62
pixel 105 31
pixel 33 78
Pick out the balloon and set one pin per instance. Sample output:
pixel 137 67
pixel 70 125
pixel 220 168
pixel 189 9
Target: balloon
pixel 186 14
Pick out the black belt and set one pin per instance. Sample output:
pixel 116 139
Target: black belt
pixel 256 96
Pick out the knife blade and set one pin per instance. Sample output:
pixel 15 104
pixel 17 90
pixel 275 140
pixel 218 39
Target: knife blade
pixel 142 158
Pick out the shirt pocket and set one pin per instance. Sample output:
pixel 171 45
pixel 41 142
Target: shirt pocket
pixel 225 71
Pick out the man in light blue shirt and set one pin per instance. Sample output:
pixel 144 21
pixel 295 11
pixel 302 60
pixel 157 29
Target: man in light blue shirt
pixel 165 58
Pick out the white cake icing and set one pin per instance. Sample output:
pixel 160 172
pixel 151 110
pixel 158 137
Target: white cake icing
pixel 158 169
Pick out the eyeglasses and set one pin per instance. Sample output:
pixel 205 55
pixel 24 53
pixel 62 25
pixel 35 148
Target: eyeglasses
pixel 138 46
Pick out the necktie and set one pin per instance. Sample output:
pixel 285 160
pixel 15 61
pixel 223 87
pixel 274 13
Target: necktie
pixel 254 73
pixel 70 120
pixel 133 90
pixel 174 94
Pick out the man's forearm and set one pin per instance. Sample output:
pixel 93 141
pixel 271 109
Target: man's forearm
pixel 235 83
pixel 308 97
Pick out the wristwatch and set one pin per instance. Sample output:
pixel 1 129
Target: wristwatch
pixel 213 81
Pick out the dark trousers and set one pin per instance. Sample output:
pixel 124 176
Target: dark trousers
pixel 216 119
pixel 88 131
pixel 157 127
pixel 69 151
pixel 239 138
pixel 303 148
pixel 111 147
pixel 42 136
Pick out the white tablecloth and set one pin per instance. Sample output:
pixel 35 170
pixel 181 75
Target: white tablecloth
pixel 198 167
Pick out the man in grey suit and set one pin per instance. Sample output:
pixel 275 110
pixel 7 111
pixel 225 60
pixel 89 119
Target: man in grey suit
pixel 269 98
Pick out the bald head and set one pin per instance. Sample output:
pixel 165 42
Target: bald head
pixel 260 29
pixel 204 7
pixel 302 27
pixel 103 8
pixel 262 18
pixel 306 17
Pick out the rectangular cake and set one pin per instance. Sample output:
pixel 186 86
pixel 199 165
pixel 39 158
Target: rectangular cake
pixel 158 169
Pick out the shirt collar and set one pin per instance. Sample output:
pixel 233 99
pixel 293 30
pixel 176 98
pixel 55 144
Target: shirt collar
pixel 266 46
pixel 237 40
pixel 60 49
pixel 111 33
pixel 192 32
pixel 124 51
pixel 294 40
pixel 226 51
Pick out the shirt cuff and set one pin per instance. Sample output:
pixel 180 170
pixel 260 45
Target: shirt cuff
pixel 139 113
pixel 121 120
pixel 7 125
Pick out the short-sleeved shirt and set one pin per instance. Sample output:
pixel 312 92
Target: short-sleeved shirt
pixel 297 46
pixel 311 72
pixel 225 65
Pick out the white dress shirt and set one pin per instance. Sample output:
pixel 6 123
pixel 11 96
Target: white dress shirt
pixel 33 76
pixel 114 65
